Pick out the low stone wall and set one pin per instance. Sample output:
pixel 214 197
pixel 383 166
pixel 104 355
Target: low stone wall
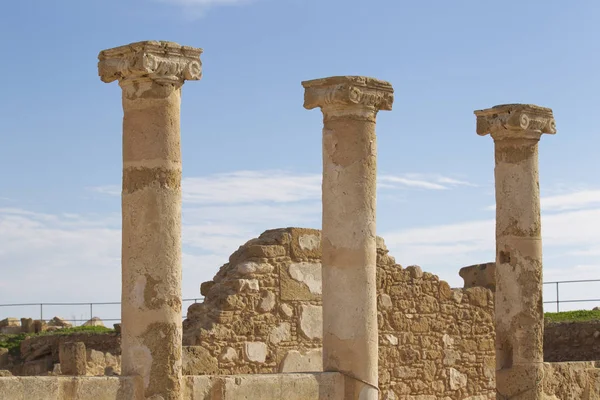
pixel 312 386
pixel 307 386
pixel 572 341
pixel 39 354
pixel 71 388
pixel 262 314
pixel 571 381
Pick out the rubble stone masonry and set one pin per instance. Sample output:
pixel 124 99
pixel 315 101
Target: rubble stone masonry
pixel 262 314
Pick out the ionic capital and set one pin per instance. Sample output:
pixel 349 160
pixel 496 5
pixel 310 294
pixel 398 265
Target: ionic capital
pixel 341 94
pixel 515 121
pixel 164 62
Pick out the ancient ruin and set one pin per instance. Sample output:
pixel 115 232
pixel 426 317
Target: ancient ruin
pixel 516 130
pixel 306 314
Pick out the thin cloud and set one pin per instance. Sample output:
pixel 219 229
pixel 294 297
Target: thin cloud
pixel 251 187
pixel 80 254
pixel 412 182
pixel 567 201
pixel 194 9
pixel 245 187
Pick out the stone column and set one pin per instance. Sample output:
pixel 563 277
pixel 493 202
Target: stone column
pixel 151 75
pixel 516 130
pixel 350 337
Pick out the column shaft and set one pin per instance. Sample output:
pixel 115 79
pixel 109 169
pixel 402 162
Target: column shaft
pixel 350 342
pixel 516 130
pixel 350 332
pixel 151 254
pixel 519 308
pixel 151 75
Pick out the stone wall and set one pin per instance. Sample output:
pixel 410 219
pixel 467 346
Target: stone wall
pixel 316 386
pixel 38 355
pixel 572 341
pixel 571 381
pixel 563 341
pixel 262 314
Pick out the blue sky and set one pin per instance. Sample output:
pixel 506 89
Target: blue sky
pixel 252 154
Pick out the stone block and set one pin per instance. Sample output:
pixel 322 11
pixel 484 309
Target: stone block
pixel 4 357
pixel 281 333
pixel 255 352
pixel 205 287
pixel 457 380
pixel 254 268
pixel 73 358
pixel 27 325
pixel 296 361
pixel 287 310
pixel 247 285
pixel 300 281
pixel 305 244
pixel 71 388
pixel 228 355
pixel 10 326
pixel 479 275
pixel 6 322
pixel 197 360
pixel 259 251
pixel 59 323
pixel 311 321
pixel 309 386
pixel 95 321
pixel 385 302
pixel 267 301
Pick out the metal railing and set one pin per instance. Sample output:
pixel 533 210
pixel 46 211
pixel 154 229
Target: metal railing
pixel 558 301
pixel 91 305
pixel 91 308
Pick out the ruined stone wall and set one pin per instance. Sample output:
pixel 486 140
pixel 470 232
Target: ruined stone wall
pixel 39 355
pixel 262 314
pixel 572 341
pixel 572 381
pixel 262 310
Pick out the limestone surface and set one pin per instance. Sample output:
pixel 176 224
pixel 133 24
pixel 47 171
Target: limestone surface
pixel 432 339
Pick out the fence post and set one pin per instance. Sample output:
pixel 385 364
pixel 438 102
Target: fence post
pixel 91 311
pixel 557 298
pixel 41 312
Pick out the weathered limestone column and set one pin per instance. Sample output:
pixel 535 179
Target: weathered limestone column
pixel 151 75
pixel 516 130
pixel 350 338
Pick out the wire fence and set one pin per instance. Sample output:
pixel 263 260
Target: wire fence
pixel 92 310
pixel 558 301
pixel 87 311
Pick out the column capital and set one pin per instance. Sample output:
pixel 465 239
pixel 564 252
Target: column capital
pixel 339 93
pixel 515 121
pixel 163 62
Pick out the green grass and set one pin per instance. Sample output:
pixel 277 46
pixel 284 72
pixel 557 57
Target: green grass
pixel 13 342
pixel 573 316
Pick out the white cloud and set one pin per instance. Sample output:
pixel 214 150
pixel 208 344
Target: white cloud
pixel 276 186
pixel 567 201
pixel 251 186
pixel 74 257
pixel 569 237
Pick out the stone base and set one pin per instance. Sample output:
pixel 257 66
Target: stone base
pixel 309 386
pixel 70 388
